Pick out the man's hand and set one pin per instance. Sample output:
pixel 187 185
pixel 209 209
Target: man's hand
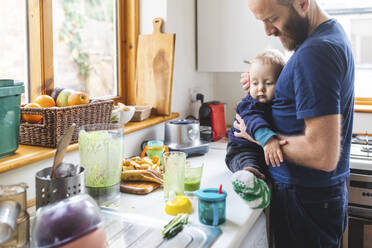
pixel 240 125
pixel 245 82
pixel 273 152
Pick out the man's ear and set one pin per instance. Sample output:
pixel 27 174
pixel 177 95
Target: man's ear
pixel 302 6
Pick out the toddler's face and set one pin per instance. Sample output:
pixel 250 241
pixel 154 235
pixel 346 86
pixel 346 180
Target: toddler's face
pixel 263 78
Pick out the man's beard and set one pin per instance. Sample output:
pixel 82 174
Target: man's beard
pixel 295 30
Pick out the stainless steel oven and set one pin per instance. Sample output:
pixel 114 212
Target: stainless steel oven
pixel 358 233
pixel 359 230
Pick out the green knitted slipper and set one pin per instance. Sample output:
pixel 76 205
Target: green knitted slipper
pixel 251 189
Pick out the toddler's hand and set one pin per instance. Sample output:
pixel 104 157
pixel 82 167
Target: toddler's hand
pixel 273 152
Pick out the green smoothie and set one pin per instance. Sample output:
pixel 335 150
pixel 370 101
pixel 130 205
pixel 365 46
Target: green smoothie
pixel 192 185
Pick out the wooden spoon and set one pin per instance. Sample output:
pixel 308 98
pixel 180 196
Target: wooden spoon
pixel 62 148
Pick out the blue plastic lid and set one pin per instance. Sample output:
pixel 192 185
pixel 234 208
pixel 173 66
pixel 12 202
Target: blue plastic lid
pixel 211 194
pixel 155 143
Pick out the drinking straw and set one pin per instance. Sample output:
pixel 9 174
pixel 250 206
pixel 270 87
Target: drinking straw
pixel 220 190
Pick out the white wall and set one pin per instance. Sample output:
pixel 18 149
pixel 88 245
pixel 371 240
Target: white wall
pixel 362 123
pixel 229 91
pixel 180 18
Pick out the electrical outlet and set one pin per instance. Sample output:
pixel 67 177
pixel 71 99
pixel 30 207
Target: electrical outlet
pixel 193 92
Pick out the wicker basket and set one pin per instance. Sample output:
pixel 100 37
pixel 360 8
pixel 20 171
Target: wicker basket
pixel 57 120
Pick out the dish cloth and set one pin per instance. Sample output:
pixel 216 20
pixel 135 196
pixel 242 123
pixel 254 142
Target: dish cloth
pixel 252 189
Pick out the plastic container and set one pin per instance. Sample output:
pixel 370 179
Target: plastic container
pixel 212 206
pixel 73 222
pixel 10 115
pixel 178 204
pixel 141 113
pixel 155 148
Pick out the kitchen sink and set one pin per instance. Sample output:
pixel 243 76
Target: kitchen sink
pixel 130 230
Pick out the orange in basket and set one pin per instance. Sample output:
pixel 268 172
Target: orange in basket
pixel 32 118
pixel 45 101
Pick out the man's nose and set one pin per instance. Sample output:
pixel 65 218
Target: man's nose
pixel 269 29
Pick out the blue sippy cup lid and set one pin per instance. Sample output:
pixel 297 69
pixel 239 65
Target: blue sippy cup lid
pixel 211 194
pixel 155 143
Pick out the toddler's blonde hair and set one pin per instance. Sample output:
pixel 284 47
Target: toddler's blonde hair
pixel 270 56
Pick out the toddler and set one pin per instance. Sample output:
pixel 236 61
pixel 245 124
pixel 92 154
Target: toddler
pixel 255 110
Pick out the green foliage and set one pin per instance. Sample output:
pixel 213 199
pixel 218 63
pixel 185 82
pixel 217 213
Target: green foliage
pixel 73 25
pixel 71 33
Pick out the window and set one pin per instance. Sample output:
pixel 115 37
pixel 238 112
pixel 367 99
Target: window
pixel 13 42
pixel 84 46
pixel 87 45
pixel 356 18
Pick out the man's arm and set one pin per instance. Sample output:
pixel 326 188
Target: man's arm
pixel 319 146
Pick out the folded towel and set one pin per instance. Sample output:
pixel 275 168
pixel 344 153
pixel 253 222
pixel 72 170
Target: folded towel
pixel 252 189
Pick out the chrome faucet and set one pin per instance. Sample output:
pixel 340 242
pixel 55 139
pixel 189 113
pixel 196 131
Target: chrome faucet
pixel 14 219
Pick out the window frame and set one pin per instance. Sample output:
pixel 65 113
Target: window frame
pixel 352 11
pixel 40 48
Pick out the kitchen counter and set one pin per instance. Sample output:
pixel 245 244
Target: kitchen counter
pixel 239 217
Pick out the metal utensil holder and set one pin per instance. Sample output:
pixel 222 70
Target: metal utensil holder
pixel 51 190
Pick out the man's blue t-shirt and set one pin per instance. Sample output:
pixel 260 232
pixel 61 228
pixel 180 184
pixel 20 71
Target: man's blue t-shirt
pixel 318 80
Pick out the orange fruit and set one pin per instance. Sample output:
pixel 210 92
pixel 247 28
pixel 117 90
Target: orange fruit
pixel 32 118
pixel 45 101
pixel 77 98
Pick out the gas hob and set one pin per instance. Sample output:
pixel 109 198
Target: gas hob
pixel 361 147
pixel 359 151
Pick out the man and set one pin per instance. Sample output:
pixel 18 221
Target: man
pixel 313 110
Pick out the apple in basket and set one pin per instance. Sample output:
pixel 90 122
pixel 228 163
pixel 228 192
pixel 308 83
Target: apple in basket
pixel 62 98
pixel 77 98
pixel 68 97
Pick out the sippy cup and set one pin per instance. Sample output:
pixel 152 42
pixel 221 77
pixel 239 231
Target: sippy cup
pixel 212 206
pixel 154 148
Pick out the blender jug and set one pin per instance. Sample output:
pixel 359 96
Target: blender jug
pixel 101 149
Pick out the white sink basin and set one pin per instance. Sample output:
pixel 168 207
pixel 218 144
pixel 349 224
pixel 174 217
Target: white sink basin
pixel 130 230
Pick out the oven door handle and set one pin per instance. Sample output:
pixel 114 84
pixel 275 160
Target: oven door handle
pixel 360 177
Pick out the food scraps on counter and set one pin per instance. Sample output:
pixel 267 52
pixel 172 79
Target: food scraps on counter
pixel 145 163
pixel 142 175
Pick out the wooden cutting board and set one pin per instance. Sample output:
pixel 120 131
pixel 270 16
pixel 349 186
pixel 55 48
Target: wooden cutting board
pixel 154 71
pixel 138 188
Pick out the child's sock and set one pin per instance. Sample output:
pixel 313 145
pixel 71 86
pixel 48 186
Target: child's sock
pixel 251 189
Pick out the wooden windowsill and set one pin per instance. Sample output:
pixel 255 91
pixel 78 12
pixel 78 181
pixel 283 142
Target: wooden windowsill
pixel 362 108
pixel 29 154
